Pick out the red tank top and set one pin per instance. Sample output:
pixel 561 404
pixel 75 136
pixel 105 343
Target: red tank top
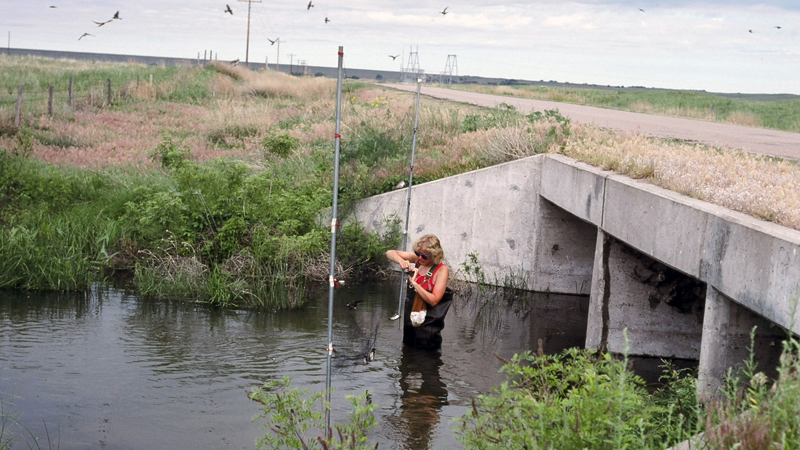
pixel 426 281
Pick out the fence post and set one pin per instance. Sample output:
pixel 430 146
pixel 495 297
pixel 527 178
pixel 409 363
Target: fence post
pixel 137 80
pixel 109 91
pixel 19 106
pixel 91 96
pixel 50 102
pixel 127 88
pixel 70 93
pixel 151 79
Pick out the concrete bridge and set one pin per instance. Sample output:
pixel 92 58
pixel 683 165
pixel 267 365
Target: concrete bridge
pixel 687 279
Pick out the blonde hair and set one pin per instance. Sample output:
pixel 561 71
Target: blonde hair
pixel 432 246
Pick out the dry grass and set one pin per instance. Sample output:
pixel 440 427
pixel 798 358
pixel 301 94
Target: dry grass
pixel 758 186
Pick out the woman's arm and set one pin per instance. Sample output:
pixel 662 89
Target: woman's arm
pixel 440 279
pixel 405 259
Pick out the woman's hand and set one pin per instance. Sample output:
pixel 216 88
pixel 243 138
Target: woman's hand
pixel 412 277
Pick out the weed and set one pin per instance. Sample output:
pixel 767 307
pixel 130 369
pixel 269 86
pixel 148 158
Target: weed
pixel 280 144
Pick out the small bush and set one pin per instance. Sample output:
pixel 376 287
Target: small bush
pixel 170 154
pixel 280 144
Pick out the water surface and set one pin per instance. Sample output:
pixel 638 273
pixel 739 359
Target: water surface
pixel 108 370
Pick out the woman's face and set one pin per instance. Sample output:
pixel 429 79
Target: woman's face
pixel 423 256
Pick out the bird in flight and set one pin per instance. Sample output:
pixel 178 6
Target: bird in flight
pixel 393 57
pixel 271 42
pixel 327 20
pixel 53 6
pixel 100 24
pixel 640 9
pixel 116 16
pixel 228 9
pixel 84 35
pixel 310 5
pixel 444 11
pixel 235 62
pixel 776 26
pixel 750 31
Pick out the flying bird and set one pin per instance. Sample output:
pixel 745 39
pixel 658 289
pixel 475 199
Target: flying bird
pixel 327 20
pixel 776 26
pixel 393 57
pixel 116 16
pixel 100 24
pixel 228 9
pixel 749 31
pixel 235 62
pixel 444 11
pixel 271 42
pixel 84 35
pixel 353 305
pixel 640 9
pixel 57 7
pixel 310 5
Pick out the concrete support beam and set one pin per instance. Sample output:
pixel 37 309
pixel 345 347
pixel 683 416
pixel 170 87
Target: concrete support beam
pixel 576 187
pixel 726 342
pixel 565 248
pixel 660 308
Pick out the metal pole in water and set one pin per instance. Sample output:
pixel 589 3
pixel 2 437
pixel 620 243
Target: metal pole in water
pixel 332 282
pixel 408 206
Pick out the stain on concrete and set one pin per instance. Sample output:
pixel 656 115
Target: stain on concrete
pixel 514 187
pixel 511 243
pixel 588 205
pixel 468 183
pixel 464 236
pixel 672 287
pixel 554 249
pixel 420 228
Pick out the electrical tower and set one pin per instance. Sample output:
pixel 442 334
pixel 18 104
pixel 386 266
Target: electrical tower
pixel 412 70
pixel 247 50
pixel 449 67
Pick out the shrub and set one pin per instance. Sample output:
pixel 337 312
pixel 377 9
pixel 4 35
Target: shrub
pixel 170 154
pixel 280 144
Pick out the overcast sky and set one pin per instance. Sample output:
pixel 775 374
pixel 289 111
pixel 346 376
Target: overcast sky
pixel 715 45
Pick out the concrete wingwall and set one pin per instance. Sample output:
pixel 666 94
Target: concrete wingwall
pixel 654 262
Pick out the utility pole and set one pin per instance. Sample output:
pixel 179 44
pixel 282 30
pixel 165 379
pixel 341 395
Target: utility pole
pixel 291 63
pixel 278 61
pixel 9 43
pixel 247 50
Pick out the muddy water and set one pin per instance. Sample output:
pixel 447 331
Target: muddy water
pixel 108 370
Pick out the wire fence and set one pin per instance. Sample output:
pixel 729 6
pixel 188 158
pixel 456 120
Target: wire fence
pixel 64 98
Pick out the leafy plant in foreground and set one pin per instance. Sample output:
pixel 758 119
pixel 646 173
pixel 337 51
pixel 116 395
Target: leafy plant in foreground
pixel 574 400
pixel 294 416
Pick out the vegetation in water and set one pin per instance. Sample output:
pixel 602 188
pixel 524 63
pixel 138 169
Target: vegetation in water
pixel 295 419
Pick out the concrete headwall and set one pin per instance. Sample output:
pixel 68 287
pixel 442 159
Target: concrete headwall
pixel 654 262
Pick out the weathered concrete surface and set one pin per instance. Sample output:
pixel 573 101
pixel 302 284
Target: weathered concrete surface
pixel 638 308
pixel 726 342
pixel 757 140
pixel 490 212
pixel 754 262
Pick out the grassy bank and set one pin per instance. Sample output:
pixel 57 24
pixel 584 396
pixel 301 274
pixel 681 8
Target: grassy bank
pixel 207 184
pixel 780 112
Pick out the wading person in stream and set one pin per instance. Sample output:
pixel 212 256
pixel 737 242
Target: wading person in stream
pixel 428 297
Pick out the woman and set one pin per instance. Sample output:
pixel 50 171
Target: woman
pixel 428 278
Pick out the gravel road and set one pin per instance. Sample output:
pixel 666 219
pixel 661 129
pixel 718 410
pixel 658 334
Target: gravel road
pixel 757 140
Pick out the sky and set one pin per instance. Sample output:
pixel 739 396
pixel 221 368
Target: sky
pixel 715 45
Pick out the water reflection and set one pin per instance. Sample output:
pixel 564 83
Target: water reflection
pixel 423 395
